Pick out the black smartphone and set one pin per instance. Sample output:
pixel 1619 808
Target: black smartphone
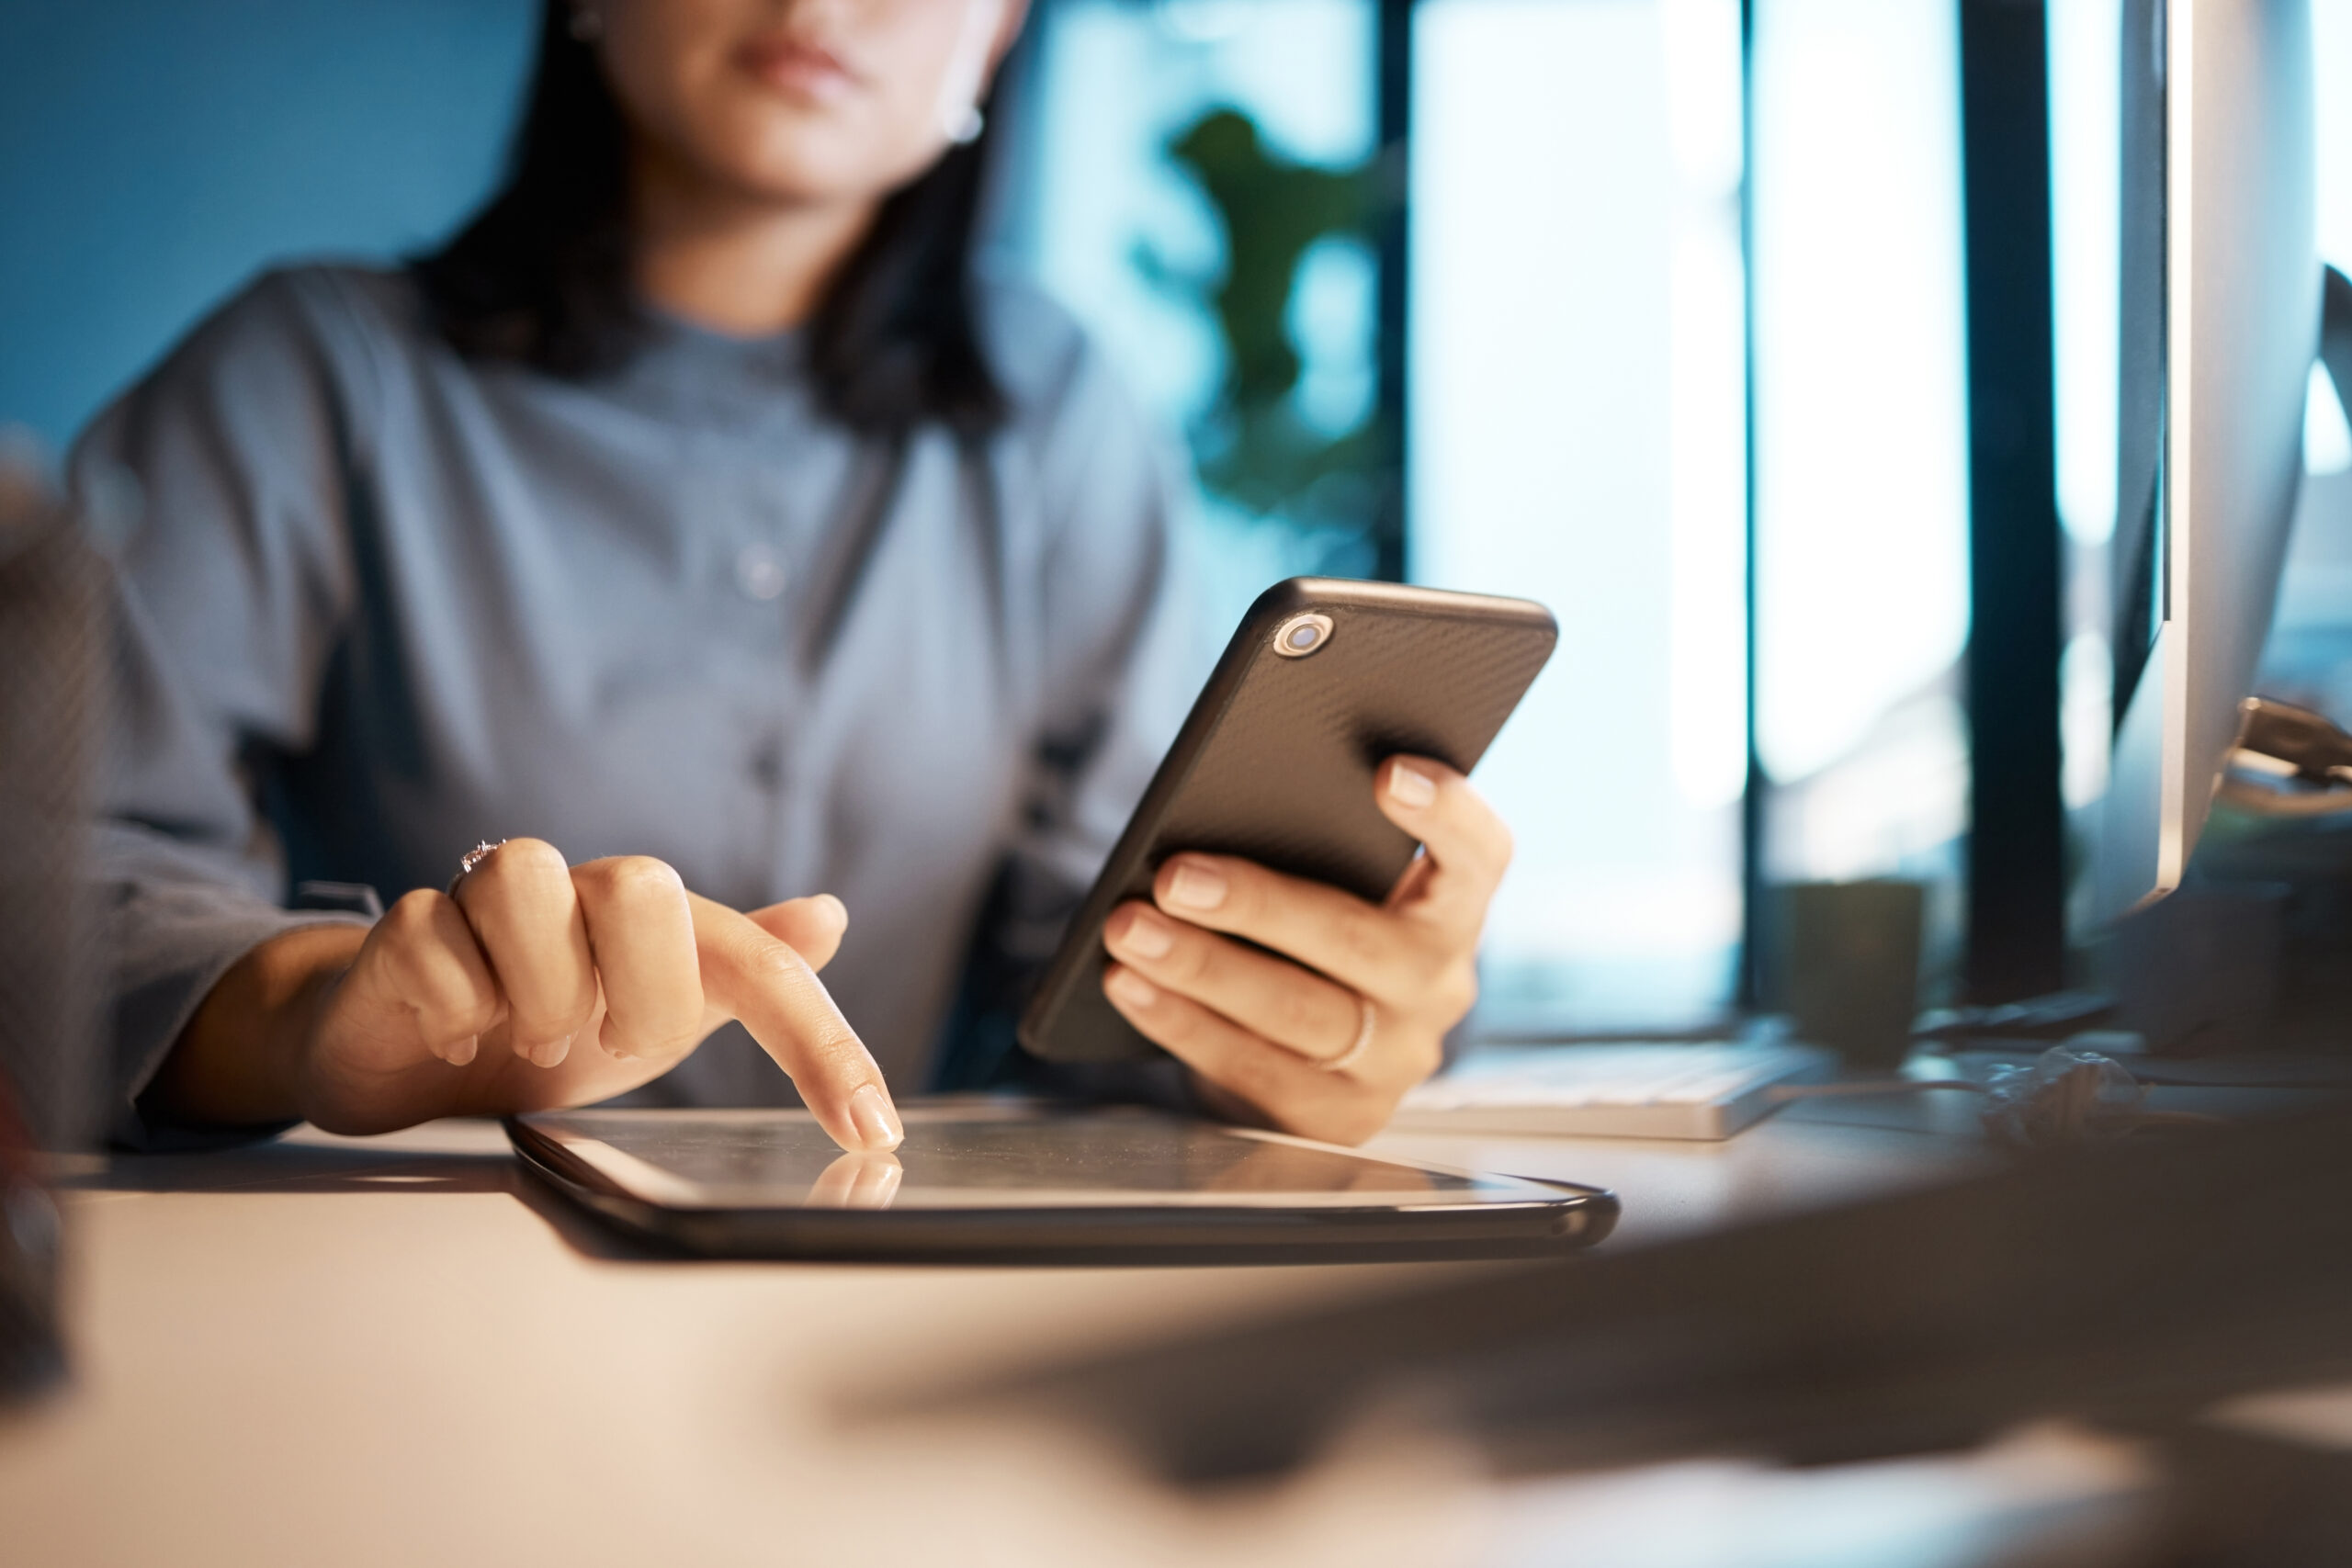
pixel 1325 680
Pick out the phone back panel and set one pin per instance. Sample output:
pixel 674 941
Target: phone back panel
pixel 1276 760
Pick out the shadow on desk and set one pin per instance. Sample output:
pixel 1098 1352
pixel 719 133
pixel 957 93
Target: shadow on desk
pixel 278 1167
pixel 455 1159
pixel 2132 1286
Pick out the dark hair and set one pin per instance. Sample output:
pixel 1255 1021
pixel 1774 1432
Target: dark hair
pixel 541 276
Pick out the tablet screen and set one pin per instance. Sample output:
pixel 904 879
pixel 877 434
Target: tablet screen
pixel 997 1156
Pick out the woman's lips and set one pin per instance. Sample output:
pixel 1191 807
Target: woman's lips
pixel 804 70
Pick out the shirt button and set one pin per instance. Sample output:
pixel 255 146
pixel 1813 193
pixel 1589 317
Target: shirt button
pixel 766 766
pixel 759 572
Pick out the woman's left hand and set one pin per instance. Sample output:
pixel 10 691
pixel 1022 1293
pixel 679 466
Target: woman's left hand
pixel 1324 1039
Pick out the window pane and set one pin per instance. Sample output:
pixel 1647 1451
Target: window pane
pixel 2086 156
pixel 1576 435
pixel 1862 442
pixel 1198 174
pixel 2332 52
pixel 2309 657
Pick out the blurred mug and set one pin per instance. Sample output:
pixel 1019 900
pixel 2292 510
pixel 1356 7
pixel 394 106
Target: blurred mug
pixel 1849 966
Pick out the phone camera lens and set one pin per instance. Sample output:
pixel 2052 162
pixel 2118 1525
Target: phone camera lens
pixel 1302 634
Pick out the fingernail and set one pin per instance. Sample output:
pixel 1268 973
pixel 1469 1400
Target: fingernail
pixel 460 1052
pixel 1195 887
pixel 610 1043
pixel 1146 935
pixel 1408 786
pixel 838 910
pixel 1126 986
pixel 876 1120
pixel 552 1053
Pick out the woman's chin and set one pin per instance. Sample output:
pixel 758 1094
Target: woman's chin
pixel 811 161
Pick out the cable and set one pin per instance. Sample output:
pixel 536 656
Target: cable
pixel 2067 1095
pixel 1859 1088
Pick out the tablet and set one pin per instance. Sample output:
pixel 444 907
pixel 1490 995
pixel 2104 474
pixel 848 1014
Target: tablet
pixel 999 1181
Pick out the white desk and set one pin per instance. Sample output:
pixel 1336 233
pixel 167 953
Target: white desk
pixel 397 1351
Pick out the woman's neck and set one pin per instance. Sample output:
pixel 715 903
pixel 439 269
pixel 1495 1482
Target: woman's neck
pixel 729 262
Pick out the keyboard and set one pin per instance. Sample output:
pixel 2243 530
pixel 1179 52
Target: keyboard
pixel 1708 1090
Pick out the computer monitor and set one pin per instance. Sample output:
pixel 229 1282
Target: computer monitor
pixel 2221 310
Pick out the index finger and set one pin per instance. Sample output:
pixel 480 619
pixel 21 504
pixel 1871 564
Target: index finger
pixel 772 990
pixel 1466 844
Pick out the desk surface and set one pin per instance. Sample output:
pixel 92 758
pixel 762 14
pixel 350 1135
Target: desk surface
pixel 398 1350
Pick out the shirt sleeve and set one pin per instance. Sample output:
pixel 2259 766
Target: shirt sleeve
pixel 225 473
pixel 1121 661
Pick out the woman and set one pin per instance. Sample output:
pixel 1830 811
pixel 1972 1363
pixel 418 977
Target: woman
pixel 700 526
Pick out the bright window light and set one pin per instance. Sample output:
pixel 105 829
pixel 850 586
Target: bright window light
pixel 1861 373
pixel 2327 439
pixel 2085 715
pixel 1576 428
pixel 2086 40
pixel 2086 158
pixel 2332 56
pixel 1707 405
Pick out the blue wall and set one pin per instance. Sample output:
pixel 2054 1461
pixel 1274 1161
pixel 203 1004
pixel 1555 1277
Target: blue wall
pixel 154 153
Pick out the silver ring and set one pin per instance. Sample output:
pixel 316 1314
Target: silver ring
pixel 1353 1054
pixel 469 860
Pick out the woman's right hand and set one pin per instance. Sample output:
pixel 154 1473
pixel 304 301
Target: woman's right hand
pixel 536 985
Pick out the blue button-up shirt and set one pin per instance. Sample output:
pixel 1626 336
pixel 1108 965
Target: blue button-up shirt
pixel 381 601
